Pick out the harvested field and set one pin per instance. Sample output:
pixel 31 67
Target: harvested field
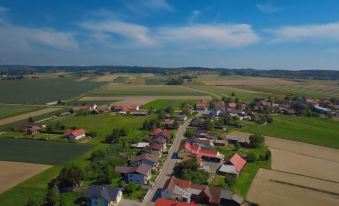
pixel 141 100
pixel 13 173
pixel 283 189
pixel 106 78
pixel 81 79
pixel 27 115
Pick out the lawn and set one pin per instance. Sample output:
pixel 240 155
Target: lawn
pixel 7 110
pixel 319 131
pixel 163 103
pixel 43 152
pixel 104 123
pixel 41 91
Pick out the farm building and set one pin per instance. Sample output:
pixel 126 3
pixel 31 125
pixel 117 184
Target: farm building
pixel 234 166
pixel 240 137
pixel 30 128
pixel 187 149
pixel 75 134
pixel 102 195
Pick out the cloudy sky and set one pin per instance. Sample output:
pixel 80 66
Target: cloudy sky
pixel 276 34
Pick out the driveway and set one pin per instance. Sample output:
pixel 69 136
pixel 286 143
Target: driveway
pixel 126 202
pixel 168 166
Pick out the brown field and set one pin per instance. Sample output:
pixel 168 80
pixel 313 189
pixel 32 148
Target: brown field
pixel 242 80
pixel 282 189
pixel 302 174
pixel 13 173
pixel 106 78
pixel 82 79
pixel 27 115
pixel 140 100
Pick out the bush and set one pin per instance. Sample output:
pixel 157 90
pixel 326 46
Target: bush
pixel 236 146
pixel 190 170
pixel 251 157
pixel 268 155
pixel 37 199
pixel 189 132
pixel 256 140
pixel 230 180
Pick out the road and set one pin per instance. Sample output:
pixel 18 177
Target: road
pixel 168 166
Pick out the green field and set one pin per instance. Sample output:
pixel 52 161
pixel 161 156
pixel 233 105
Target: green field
pixel 11 110
pixel 41 91
pixel 43 152
pixel 163 103
pixel 319 131
pixel 145 90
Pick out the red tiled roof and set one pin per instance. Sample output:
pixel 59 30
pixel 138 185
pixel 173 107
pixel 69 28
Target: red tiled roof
pixel 166 202
pixel 238 162
pixel 232 105
pixel 76 133
pixel 200 152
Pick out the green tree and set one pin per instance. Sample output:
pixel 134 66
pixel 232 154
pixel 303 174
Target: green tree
pixel 237 146
pixel 70 177
pixel 268 155
pixel 37 199
pixel 190 170
pixel 230 180
pixel 208 124
pixel 251 157
pixel 189 132
pixel 256 140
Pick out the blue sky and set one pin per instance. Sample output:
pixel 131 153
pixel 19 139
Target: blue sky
pixel 276 34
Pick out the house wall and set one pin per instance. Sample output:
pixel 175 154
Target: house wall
pixel 136 178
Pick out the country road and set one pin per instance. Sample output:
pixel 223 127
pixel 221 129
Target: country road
pixel 168 166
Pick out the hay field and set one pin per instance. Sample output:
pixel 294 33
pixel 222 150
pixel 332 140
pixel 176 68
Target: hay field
pixel 7 110
pixel 282 189
pixel 140 100
pixel 27 115
pixel 13 173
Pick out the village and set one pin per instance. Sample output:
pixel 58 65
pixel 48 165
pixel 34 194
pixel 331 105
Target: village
pixel 197 166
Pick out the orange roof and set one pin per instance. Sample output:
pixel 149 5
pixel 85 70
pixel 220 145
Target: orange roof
pixel 199 151
pixel 77 132
pixel 238 162
pixel 166 202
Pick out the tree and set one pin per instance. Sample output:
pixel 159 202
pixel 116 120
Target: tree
pixel 30 120
pixel 230 180
pixel 256 140
pixel 236 146
pixel 162 114
pixel 186 111
pixel 208 124
pixel 189 132
pixel 70 177
pixel 190 170
pixel 37 199
pixel 98 155
pixel 251 157
pixel 170 110
pixel 268 155
pixel 232 94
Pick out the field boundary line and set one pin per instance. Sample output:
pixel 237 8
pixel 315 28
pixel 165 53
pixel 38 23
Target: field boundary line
pixel 317 178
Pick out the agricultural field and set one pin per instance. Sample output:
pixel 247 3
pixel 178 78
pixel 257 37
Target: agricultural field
pixel 163 103
pixel 17 172
pixel 7 110
pixel 42 91
pixel 299 171
pixel 318 131
pixel 41 152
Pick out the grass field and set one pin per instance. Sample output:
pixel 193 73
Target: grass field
pixel 41 91
pixel 43 152
pixel 319 131
pixel 163 103
pixel 7 110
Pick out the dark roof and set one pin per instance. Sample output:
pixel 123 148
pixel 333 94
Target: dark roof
pixel 107 193
pixel 141 169
pixel 145 156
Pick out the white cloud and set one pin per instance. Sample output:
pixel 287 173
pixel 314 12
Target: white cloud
pixel 138 34
pixel 267 7
pixel 3 9
pixel 194 15
pixel 315 32
pixel 20 37
pixel 207 36
pixel 143 7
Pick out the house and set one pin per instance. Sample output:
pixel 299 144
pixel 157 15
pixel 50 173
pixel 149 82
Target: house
pixel 140 145
pixel 169 123
pixel 75 134
pixel 240 137
pixel 166 202
pixel 234 166
pixel 123 109
pixel 197 122
pixel 322 110
pixel 201 142
pixel 218 105
pixel 201 106
pixel 162 133
pixel 232 105
pixel 187 149
pixel 311 101
pixel 181 117
pixel 202 133
pixel 161 147
pixel 30 128
pixel 220 142
pixel 145 158
pixel 138 175
pixel 215 113
pixel 102 108
pixel 100 195
pixel 141 112
pixel 186 191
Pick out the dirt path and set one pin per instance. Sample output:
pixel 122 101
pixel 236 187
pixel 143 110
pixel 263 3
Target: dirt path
pixel 13 173
pixel 27 115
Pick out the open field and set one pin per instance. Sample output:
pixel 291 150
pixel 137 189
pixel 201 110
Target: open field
pixel 13 173
pixel 241 80
pixel 140 100
pixel 283 189
pixel 7 110
pixel 42 152
pixel 318 131
pixel 163 103
pixel 19 117
pixel 41 91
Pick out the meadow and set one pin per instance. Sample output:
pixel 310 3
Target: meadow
pixel 319 131
pixel 41 91
pixel 43 152
pixel 164 103
pixel 7 110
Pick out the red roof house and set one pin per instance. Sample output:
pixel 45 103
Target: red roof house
pixel 188 149
pixel 238 162
pixel 166 202
pixel 201 105
pixel 75 134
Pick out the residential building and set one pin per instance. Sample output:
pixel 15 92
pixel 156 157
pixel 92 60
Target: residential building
pixel 100 195
pixel 145 158
pixel 166 202
pixel 75 134
pixel 138 175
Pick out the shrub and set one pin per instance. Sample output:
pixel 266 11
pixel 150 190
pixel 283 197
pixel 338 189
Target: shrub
pixel 268 155
pixel 256 140
pixel 251 157
pixel 230 180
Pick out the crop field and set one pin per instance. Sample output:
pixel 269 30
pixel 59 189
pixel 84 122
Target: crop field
pixel 41 91
pixel 7 110
pixel 163 103
pixel 318 131
pixel 283 189
pixel 13 173
pixel 144 90
pixel 42 152
pixel 24 116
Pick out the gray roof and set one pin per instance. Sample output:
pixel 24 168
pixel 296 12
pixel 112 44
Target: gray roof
pixel 107 193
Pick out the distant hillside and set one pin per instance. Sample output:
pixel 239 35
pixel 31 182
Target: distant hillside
pixel 297 74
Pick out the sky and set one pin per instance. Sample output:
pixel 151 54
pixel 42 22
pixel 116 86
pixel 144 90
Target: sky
pixel 276 34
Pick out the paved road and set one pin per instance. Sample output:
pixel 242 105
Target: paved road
pixel 168 166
